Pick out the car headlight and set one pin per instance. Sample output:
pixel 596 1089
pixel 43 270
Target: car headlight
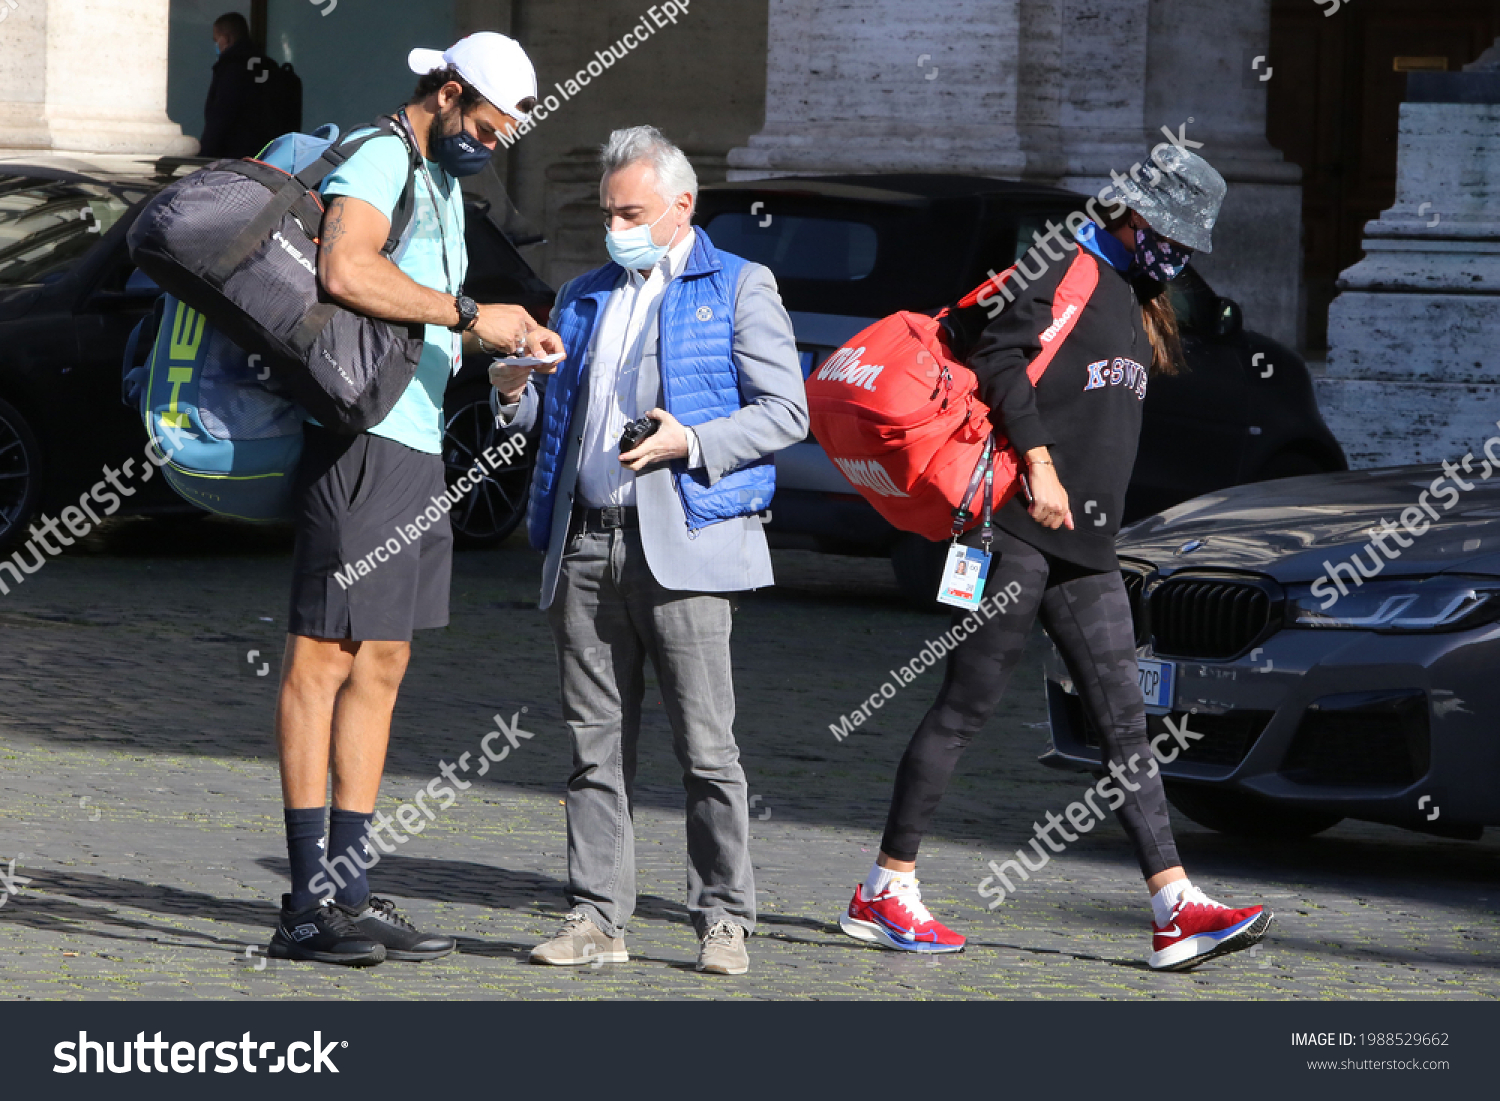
pixel 1446 603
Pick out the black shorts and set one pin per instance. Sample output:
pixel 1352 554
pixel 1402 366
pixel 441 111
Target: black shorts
pixel 374 554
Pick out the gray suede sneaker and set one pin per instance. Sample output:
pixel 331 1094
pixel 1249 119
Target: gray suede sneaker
pixel 580 942
pixel 723 950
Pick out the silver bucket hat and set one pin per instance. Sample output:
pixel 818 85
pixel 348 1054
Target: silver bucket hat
pixel 1179 194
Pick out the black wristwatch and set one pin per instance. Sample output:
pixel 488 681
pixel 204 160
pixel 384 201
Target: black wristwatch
pixel 468 313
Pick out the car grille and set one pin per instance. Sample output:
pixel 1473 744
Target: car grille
pixel 1226 740
pixel 1208 618
pixel 1135 592
pixel 1362 739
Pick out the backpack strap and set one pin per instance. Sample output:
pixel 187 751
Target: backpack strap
pixel 993 286
pixel 406 204
pixel 285 197
pixel 1068 303
pixel 335 156
pixel 1073 293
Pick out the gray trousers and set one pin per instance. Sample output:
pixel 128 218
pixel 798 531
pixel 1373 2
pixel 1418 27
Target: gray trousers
pixel 608 615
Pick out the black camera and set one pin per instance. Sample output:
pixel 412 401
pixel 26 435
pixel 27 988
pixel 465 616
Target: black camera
pixel 636 431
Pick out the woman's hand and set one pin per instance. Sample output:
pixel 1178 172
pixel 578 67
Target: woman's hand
pixel 1049 500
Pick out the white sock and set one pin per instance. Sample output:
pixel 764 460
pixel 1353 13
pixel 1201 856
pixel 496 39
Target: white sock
pixel 1165 900
pixel 881 878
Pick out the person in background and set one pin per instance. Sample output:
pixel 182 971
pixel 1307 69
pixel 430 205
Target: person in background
pixel 234 115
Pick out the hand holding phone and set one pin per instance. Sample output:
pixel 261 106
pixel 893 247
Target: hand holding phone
pixel 636 432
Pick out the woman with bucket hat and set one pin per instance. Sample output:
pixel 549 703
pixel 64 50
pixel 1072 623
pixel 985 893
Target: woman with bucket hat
pixel 1077 428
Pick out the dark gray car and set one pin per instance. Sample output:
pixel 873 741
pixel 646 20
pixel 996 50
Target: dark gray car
pixel 1329 678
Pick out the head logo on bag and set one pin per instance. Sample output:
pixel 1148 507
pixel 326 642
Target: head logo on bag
pixel 232 444
pixel 187 333
pixel 187 338
pixel 295 253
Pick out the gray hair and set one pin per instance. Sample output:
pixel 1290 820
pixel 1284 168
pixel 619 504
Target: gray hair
pixel 647 144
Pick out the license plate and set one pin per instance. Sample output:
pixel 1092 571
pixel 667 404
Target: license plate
pixel 1158 678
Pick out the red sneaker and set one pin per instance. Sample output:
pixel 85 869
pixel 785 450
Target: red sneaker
pixel 897 919
pixel 1201 929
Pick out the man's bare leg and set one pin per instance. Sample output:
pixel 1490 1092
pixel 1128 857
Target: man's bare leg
pixel 314 671
pixel 362 723
pixel 316 675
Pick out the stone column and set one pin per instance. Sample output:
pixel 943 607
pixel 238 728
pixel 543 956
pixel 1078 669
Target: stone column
pixel 1412 335
pixel 700 80
pixel 888 85
pixel 1054 91
pixel 86 77
pixel 1202 67
pixel 1100 80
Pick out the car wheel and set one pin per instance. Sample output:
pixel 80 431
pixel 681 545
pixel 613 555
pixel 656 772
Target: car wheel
pixel 20 474
pixel 493 509
pixel 918 565
pixel 1241 815
pixel 1289 464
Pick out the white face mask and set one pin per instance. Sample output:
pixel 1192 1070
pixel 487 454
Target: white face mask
pixel 634 248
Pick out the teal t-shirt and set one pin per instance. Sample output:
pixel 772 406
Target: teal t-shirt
pixel 376 174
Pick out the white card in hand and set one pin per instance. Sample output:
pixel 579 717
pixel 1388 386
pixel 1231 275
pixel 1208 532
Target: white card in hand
pixel 529 361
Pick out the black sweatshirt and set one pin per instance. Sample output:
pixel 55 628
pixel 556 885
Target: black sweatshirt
pixel 1086 408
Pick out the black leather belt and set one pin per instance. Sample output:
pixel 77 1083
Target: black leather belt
pixel 607 518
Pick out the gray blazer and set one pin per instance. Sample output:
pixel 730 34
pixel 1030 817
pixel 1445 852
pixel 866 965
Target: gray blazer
pixel 732 555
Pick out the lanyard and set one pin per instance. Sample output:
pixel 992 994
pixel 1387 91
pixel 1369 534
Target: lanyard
pixel 961 515
pixel 436 207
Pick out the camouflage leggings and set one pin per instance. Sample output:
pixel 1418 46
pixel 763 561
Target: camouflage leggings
pixel 1088 616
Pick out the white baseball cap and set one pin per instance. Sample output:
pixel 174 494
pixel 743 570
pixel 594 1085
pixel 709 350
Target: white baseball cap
pixel 497 66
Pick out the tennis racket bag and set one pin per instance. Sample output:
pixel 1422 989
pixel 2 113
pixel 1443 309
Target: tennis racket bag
pixel 902 418
pixel 238 242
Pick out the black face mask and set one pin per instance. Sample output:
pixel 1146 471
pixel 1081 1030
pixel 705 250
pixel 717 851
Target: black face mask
pixel 459 154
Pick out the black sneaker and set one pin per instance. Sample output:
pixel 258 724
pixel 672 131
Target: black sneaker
pixel 402 940
pixel 324 933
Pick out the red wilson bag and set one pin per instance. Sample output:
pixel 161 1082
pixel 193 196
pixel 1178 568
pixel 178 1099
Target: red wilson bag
pixel 903 420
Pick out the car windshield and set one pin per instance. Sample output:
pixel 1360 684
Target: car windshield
pixel 46 226
pixel 842 256
pixel 796 247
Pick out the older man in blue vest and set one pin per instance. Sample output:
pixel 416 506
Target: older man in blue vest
pixel 646 549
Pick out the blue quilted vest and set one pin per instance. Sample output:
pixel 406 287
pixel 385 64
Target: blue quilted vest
pixel 695 348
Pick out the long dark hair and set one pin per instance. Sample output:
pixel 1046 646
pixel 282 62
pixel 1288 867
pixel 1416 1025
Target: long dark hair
pixel 1157 315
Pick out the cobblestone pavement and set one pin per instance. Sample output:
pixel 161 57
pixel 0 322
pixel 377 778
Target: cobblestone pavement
pixel 138 794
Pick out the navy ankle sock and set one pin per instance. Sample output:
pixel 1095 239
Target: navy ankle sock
pixel 304 849
pixel 347 830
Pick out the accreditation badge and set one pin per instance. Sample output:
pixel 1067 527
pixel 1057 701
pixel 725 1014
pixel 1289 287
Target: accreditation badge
pixel 964 576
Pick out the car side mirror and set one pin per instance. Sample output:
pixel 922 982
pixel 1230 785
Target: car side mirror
pixel 1229 319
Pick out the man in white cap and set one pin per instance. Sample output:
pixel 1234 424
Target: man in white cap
pixel 349 637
